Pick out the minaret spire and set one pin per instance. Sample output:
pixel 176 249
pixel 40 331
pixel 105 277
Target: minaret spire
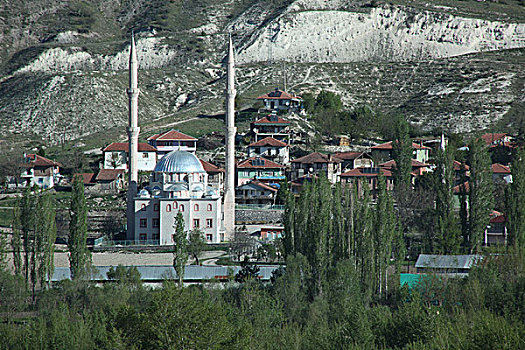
pixel 229 186
pixel 133 137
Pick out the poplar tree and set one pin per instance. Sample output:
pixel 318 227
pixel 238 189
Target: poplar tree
pixel 16 242
pixel 180 253
pixel 79 255
pixel 481 196
pixel 515 201
pixel 448 232
pixel 402 155
pixel 289 223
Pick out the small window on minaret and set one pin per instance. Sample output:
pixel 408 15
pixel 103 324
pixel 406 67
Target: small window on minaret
pixel 168 207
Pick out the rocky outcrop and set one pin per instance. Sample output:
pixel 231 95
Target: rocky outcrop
pixel 390 33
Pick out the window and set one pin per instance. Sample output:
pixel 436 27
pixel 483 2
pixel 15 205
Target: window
pixel 145 155
pixel 143 236
pixel 143 222
pixel 143 207
pixel 196 223
pixel 209 223
pixel 209 238
pixel 156 223
pixel 155 207
pixel 156 236
pixel 196 207
pixel 168 207
pixel 181 207
pixel 210 207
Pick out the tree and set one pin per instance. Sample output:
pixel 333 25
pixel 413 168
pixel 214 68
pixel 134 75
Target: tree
pixel 242 243
pixel 328 101
pixel 402 154
pixel 514 201
pixel 448 232
pixel 79 255
pixel 112 224
pixel 180 252
pixel 196 244
pixel 480 193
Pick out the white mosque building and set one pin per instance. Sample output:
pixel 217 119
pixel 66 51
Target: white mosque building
pixel 178 184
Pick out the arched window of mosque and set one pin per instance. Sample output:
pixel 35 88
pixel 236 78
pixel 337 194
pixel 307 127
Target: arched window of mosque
pixel 143 207
pixel 181 207
pixel 196 207
pixel 168 207
pixel 175 205
pixel 210 208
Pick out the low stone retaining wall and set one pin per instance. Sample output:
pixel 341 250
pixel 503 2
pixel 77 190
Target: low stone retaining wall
pixel 251 216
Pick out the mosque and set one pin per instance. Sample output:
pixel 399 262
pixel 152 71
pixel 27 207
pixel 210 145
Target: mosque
pixel 179 182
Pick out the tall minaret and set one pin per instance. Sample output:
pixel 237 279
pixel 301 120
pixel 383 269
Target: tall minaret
pixel 229 186
pixel 133 138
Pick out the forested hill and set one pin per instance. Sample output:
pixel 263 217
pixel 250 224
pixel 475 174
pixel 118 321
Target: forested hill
pixel 451 64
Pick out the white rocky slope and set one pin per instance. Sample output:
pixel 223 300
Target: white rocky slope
pixel 389 33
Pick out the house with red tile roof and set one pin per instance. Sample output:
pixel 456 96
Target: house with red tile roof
pixel 259 168
pixel 496 231
pixel 279 100
pixel 501 173
pixel 110 180
pixel 496 139
pixel 215 175
pixel 270 126
pixel 172 140
pixel 256 192
pixel 270 148
pixel 316 163
pixel 418 168
pixel 368 176
pixel 384 151
pixel 352 160
pixel 40 171
pixel 116 156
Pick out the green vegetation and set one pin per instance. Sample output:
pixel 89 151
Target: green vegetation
pixel 79 255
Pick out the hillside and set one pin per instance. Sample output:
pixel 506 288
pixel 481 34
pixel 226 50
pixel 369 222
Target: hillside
pixel 450 64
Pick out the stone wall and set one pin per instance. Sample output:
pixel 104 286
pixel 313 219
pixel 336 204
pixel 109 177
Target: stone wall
pixel 250 216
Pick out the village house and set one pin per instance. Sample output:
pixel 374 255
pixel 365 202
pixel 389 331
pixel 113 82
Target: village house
pixel 279 100
pixel 496 139
pixel 496 231
pixel 215 176
pixel 352 160
pixel 270 148
pixel 270 126
pixel 317 163
pixel 256 192
pixel 501 174
pixel 172 140
pixel 259 168
pixel 384 152
pixel 461 172
pixel 107 181
pixel 271 233
pixel 369 176
pixel 453 265
pixel 418 168
pixel 116 156
pixel 40 171
pixel 296 186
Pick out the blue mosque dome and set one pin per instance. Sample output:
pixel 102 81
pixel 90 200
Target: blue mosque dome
pixel 179 162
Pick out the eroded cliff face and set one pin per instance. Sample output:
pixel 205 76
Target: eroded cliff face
pixel 389 33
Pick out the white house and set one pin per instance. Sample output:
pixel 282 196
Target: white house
pixel 178 183
pixel 270 148
pixel 281 100
pixel 172 140
pixel 40 171
pixel 116 156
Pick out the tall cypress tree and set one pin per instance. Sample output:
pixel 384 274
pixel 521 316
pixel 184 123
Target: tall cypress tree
pixel 16 242
pixel 402 155
pixel 79 255
pixel 448 232
pixel 481 197
pixel 289 223
pixel 515 201
pixel 180 253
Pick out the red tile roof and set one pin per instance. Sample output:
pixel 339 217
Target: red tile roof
pixel 278 94
pixel 492 137
pixel 32 160
pixel 87 178
pixel 268 141
pixel 317 157
pixel 388 146
pixel 348 155
pixel 248 163
pixel 460 166
pixel 392 163
pixel 457 189
pixel 172 135
pixel 266 120
pixel 500 169
pixel 211 168
pixel 109 174
pixel 363 172
pixel 497 218
pixel 124 147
